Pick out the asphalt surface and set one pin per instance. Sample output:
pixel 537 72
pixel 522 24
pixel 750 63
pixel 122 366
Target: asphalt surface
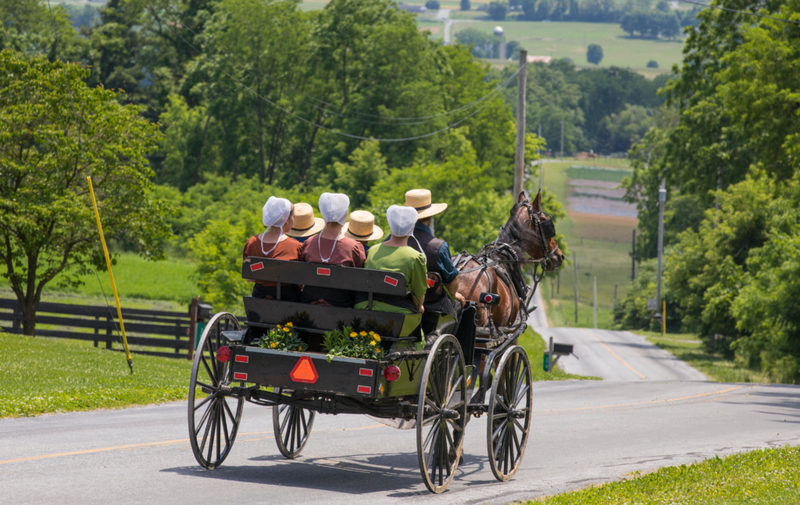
pixel 583 432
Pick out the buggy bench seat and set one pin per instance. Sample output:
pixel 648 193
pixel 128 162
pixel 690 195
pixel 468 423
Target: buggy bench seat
pixel 321 318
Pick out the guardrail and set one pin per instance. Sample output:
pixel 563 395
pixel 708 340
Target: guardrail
pixel 147 328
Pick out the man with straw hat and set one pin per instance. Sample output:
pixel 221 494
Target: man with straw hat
pixel 361 227
pixel 305 223
pixel 436 251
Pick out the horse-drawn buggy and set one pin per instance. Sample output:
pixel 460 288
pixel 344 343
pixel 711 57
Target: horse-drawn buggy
pixel 433 371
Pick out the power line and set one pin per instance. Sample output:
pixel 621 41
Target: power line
pixel 386 121
pixel 727 9
pixel 331 130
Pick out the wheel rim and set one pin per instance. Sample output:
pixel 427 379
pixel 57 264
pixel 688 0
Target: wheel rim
pixel 292 427
pixel 509 418
pixel 441 414
pixel 213 420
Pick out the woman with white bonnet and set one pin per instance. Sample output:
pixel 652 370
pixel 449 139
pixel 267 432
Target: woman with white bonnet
pixel 394 255
pixel 332 247
pixel 278 216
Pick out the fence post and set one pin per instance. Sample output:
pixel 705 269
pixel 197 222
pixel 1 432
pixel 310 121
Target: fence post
pixel 177 337
pixel 192 328
pixel 109 331
pixel 96 329
pixel 17 318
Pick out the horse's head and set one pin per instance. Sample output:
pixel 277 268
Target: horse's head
pixel 537 237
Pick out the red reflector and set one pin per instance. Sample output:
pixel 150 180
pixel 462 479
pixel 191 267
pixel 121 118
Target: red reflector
pixel 242 359
pixel 239 376
pixel 256 266
pixel 324 271
pixel 223 354
pixel 488 299
pixel 431 282
pixel 304 371
pixel 366 372
pixel 390 280
pixel 392 373
pixel 364 389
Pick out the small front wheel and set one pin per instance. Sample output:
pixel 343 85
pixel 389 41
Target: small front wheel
pixel 292 427
pixel 509 419
pixel 213 419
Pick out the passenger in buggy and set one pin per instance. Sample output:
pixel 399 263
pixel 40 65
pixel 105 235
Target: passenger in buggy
pixel 306 224
pixel 395 255
pixel 361 227
pixel 332 247
pixel 278 216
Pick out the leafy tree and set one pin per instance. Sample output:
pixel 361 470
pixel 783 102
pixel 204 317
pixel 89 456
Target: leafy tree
pixel 46 220
pixel 662 6
pixel 432 5
pixel 542 10
pixel 528 9
pixel 652 64
pixel 628 127
pixel 367 167
pixel 465 5
pixel 483 44
pixel 594 53
pixel 513 49
pixel 497 10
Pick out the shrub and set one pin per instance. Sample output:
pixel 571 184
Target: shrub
pixel 497 11
pixel 465 6
pixel 652 64
pixel 432 5
pixel 594 54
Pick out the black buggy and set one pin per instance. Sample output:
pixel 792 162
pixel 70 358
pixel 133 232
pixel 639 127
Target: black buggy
pixel 435 372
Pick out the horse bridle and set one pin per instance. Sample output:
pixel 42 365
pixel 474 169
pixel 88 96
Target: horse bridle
pixel 546 229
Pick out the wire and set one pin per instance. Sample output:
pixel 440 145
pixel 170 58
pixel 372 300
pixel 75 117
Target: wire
pixel 325 128
pixel 108 306
pixel 387 121
pixel 739 11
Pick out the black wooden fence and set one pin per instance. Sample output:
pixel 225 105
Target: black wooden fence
pixel 145 329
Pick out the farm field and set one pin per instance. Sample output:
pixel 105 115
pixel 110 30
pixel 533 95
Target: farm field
pixel 570 40
pixel 602 245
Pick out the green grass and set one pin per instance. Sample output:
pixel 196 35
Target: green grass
pixel 570 40
pixel 172 279
pixel 688 348
pixel 608 260
pixel 597 173
pixel 534 345
pixel 767 476
pixel 44 375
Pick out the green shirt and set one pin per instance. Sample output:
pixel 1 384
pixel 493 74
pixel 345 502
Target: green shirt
pixel 405 260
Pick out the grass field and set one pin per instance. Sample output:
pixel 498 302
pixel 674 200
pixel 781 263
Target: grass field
pixel 602 245
pixel 136 278
pixel 570 40
pixel 767 476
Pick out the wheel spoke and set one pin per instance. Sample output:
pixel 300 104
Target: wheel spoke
pixel 456 387
pixel 208 369
pixel 203 401
pixel 218 418
pixel 521 394
pixel 433 405
pixel 203 419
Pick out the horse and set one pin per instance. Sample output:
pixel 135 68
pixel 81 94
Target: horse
pixel 496 268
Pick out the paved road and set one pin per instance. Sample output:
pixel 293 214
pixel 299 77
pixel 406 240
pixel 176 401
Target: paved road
pixel 583 432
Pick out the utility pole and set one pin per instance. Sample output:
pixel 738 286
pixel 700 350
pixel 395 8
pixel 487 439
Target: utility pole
pixel 575 282
pixel 614 305
pixel 662 198
pixel 562 140
pixel 594 300
pixel 519 158
pixel 633 257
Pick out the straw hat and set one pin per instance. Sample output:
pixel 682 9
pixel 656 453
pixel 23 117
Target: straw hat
pixel 420 199
pixel 362 227
pixel 305 224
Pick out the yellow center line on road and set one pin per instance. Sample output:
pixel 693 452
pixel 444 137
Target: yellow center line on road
pixel 158 444
pixel 651 402
pixel 614 354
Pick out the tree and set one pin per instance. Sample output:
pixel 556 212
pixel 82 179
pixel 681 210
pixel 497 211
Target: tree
pixel 594 54
pixel 483 44
pixel 528 9
pixel 47 226
pixel 497 10
pixel 628 127
pixel 465 5
pixel 662 6
pixel 652 64
pixel 367 167
pixel 432 5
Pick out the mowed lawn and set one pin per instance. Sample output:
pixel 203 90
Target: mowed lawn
pixel 603 250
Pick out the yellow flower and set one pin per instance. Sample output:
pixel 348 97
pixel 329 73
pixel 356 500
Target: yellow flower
pixel 373 343
pixel 289 324
pixel 376 338
pixel 363 333
pixel 372 333
pixel 353 335
pixel 286 329
pixel 273 345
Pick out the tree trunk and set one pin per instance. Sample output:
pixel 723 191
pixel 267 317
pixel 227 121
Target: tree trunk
pixel 30 301
pixel 29 318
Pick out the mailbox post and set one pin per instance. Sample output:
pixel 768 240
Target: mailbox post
pixel 555 351
pixel 199 314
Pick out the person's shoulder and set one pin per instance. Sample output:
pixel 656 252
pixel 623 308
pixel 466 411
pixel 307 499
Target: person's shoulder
pixel 293 244
pixel 252 240
pixel 349 242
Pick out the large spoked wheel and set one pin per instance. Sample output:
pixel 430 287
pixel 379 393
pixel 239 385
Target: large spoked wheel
pixel 441 414
pixel 509 419
pixel 213 419
pixel 292 427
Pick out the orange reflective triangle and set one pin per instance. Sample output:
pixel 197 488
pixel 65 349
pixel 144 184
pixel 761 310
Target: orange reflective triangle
pixel 304 371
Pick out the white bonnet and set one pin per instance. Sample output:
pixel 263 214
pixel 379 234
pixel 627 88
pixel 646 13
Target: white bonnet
pixel 334 207
pixel 401 220
pixel 276 211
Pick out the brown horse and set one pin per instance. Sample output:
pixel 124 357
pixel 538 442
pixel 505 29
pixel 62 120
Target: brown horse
pixel 496 268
